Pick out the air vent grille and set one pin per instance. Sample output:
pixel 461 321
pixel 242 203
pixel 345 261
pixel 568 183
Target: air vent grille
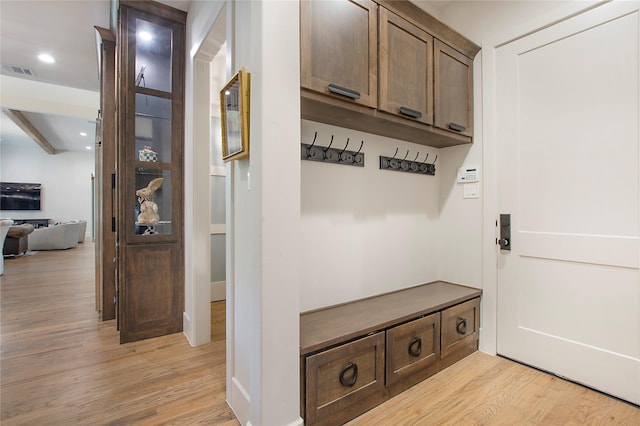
pixel 17 70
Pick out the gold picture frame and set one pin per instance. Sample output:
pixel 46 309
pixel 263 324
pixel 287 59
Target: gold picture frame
pixel 234 113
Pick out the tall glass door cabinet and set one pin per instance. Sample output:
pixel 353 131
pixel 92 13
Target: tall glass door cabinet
pixel 149 175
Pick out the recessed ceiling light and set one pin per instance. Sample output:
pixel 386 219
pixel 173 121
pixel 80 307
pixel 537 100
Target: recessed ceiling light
pixel 45 57
pixel 145 35
pixel 83 134
pixel 88 147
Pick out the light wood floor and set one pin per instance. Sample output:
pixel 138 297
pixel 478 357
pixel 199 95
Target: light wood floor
pixel 61 366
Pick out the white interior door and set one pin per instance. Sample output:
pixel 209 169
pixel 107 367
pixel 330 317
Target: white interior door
pixel 567 129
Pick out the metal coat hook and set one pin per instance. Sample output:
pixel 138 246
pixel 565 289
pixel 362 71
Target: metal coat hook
pixel 324 151
pixel 357 158
pixel 315 135
pixel 342 152
pixel 434 161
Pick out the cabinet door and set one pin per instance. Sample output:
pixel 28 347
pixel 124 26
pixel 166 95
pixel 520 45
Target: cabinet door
pixel 453 98
pixel 406 69
pixel 150 171
pixel 338 49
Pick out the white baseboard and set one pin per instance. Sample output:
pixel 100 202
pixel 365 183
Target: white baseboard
pixel 186 326
pixel 238 400
pixel 218 291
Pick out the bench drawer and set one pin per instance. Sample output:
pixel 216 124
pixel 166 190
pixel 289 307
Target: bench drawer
pixel 412 348
pixel 345 381
pixel 460 325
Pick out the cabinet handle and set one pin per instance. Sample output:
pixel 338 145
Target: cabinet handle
pixel 461 326
pixel 415 347
pixel 339 90
pixel 410 112
pixel 349 382
pixel 457 127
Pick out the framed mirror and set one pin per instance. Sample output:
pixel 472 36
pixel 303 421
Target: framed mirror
pixel 234 113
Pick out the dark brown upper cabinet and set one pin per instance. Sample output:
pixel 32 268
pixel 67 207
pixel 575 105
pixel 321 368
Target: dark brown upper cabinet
pixel 453 90
pixel 338 43
pixel 387 68
pixel 406 69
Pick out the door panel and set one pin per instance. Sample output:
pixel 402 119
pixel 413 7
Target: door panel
pixel 567 109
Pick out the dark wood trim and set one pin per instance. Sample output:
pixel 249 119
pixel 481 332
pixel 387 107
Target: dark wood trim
pixel 105 34
pixel 153 92
pixel 158 9
pixel 422 19
pixel 323 109
pixel 106 167
pixel 26 126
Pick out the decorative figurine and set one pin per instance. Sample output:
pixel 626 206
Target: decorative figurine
pixel 148 208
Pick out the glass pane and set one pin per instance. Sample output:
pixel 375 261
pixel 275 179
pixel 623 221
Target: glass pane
pixel 153 129
pixel 217 199
pixel 153 56
pixel 216 142
pixel 153 201
pixel 218 260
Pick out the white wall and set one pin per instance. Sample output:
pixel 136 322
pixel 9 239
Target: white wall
pixel 65 178
pixel 366 231
pixel 263 209
pixel 266 214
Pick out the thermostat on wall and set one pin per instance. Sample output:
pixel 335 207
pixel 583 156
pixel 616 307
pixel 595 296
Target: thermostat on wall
pixel 468 174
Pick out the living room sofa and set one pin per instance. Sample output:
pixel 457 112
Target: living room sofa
pixel 57 237
pixel 17 241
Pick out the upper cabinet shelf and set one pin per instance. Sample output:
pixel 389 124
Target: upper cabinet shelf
pixel 386 68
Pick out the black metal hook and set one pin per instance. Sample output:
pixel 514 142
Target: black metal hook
pixel 394 154
pixel 414 160
pixel 436 159
pixel 315 135
pixel 324 151
pixel 355 156
pixel 343 150
pixel 405 156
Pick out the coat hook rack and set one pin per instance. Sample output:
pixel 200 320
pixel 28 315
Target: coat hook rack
pixel 409 166
pixel 332 155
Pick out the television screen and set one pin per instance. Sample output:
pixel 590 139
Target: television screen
pixel 20 196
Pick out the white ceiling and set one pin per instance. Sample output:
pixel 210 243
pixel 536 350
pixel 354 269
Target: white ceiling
pixel 65 30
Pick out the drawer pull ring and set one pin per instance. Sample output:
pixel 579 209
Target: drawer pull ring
pixel 457 127
pixel 415 347
pixel 349 382
pixel 461 326
pixel 343 91
pixel 410 112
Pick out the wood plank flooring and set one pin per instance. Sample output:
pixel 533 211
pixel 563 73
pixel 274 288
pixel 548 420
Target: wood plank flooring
pixel 59 365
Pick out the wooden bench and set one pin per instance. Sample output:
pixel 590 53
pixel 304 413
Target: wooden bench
pixel 356 355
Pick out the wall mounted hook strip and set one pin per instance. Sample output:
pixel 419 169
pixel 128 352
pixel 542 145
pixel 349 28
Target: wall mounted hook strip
pixel 332 155
pixel 404 165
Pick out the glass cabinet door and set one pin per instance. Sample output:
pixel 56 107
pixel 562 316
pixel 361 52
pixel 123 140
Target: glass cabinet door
pixel 151 46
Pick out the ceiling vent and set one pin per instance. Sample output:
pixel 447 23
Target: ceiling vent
pixel 17 70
